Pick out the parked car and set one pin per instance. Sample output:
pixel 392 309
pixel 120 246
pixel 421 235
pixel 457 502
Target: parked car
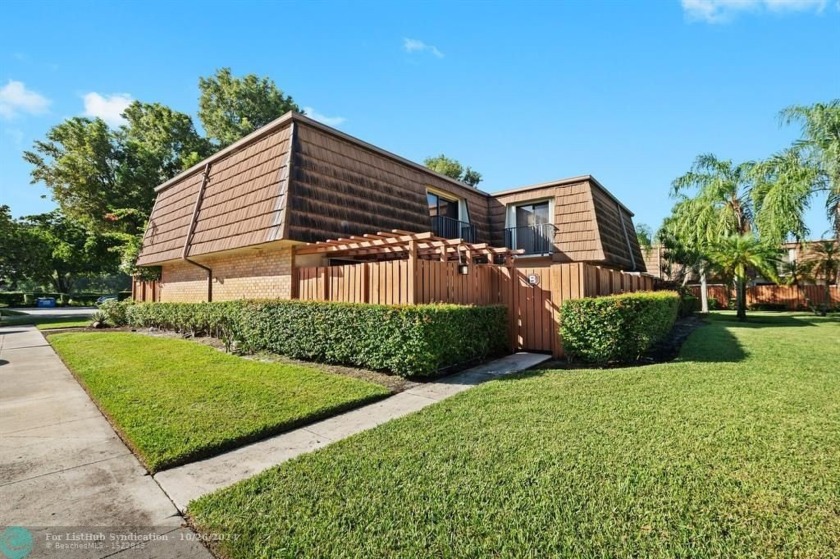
pixel 104 298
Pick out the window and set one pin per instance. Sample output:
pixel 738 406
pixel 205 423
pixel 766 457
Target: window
pixel 531 215
pixel 449 217
pixel 439 206
pixel 530 228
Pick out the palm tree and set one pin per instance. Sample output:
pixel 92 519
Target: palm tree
pixel 819 149
pixel 738 254
pixel 723 191
pixel 713 203
pixel 781 193
pixel 823 261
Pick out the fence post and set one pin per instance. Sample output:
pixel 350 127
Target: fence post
pixel 325 283
pixel 412 273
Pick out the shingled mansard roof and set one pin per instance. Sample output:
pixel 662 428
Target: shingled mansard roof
pixel 296 179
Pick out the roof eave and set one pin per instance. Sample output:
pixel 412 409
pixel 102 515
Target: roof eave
pixel 564 182
pixel 297 117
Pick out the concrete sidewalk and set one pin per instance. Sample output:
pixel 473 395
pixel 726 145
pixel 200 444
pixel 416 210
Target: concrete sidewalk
pixel 63 469
pixel 188 482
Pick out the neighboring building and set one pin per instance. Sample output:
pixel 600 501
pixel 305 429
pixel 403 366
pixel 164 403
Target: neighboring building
pixel 236 217
pixel 657 264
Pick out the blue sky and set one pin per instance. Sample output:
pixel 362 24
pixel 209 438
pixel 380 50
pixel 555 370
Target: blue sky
pixel 524 92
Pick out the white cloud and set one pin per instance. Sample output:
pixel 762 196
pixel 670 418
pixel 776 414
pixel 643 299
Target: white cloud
pixel 328 120
pixel 107 107
pixel 723 11
pixel 413 45
pixel 15 99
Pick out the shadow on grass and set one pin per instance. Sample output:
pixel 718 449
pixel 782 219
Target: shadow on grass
pixel 713 343
pixel 767 320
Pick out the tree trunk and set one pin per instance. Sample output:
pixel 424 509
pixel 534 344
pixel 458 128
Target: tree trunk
pixel 741 287
pixel 704 292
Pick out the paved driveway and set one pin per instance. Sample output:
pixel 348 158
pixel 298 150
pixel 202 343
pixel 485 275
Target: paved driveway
pixel 64 471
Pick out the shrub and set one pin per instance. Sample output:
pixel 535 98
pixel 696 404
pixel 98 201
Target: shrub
pixel 689 304
pixel 12 299
pixel 405 340
pixel 619 328
pixel 114 313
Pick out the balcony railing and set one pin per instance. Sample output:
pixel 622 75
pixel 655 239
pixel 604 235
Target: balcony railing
pixel 449 228
pixel 533 239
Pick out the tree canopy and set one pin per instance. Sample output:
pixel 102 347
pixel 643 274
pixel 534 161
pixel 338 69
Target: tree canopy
pixel 453 169
pixel 103 178
pixel 737 255
pixel 231 107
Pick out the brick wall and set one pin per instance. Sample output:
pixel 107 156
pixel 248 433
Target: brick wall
pixel 252 274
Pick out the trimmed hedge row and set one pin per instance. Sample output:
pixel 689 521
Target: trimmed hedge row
pixel 405 340
pixel 618 328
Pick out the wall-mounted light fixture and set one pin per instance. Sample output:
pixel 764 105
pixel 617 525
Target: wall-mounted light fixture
pixel 463 267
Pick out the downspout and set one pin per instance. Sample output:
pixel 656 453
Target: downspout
pixel 188 240
pixel 626 237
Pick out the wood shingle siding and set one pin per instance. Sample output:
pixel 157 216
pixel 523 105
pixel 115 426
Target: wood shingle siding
pixel 243 203
pixel 170 221
pixel 296 180
pixel 618 236
pixel 341 188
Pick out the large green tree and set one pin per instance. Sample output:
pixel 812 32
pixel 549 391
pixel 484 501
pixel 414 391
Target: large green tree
pixel 819 148
pixel 738 255
pixel 66 249
pixel 722 189
pixel 22 254
pixel 80 162
pixel 453 169
pixel 105 177
pixel 231 107
pixel 713 203
pixel 781 193
pixel 787 182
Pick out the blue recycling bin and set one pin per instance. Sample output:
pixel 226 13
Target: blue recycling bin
pixel 45 302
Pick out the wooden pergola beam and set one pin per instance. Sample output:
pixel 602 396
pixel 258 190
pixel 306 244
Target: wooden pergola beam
pixel 399 241
pixel 360 242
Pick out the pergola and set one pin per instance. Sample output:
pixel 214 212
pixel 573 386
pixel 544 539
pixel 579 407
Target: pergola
pixel 404 244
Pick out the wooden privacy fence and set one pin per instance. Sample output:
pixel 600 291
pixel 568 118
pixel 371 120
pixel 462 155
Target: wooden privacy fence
pixel 145 291
pixel 794 297
pixel 391 283
pixel 533 294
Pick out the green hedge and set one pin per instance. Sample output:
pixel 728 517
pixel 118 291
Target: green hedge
pixel 405 340
pixel 619 328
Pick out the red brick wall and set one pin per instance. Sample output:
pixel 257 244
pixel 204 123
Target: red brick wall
pixel 250 274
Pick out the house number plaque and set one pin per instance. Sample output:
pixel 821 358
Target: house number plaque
pixel 533 279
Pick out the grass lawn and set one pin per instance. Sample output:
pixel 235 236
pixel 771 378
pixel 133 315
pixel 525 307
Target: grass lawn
pixel 56 323
pixel 176 400
pixel 731 451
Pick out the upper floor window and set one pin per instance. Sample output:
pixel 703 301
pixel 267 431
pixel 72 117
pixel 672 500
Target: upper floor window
pixel 440 206
pixel 530 228
pixel 449 217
